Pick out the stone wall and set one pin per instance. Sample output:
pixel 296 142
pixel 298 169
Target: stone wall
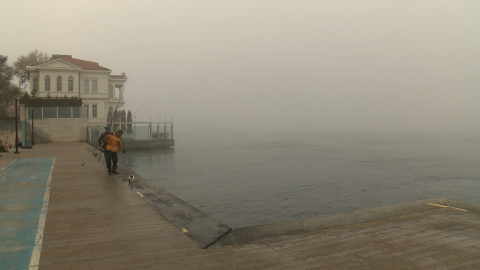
pixel 64 130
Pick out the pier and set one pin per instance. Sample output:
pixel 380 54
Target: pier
pixel 137 135
pixel 99 221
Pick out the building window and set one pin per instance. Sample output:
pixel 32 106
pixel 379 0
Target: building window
pixel 59 83
pixel 35 85
pixel 94 111
pixel 110 113
pixel 94 86
pixel 110 91
pixel 86 110
pixel 86 85
pixel 47 83
pixel 70 84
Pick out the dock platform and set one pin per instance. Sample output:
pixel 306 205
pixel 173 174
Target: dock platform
pixel 99 221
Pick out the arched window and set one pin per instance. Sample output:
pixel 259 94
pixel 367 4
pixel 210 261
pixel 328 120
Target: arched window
pixel 47 83
pixel 59 83
pixel 110 91
pixel 70 84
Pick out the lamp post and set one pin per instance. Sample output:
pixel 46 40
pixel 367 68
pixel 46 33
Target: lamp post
pixel 33 142
pixel 16 127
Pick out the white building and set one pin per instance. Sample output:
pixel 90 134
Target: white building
pixel 63 75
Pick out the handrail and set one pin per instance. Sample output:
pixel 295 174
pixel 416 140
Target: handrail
pixel 39 131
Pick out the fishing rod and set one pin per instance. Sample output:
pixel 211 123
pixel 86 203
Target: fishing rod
pixel 111 124
pixel 119 99
pixel 143 106
pixel 113 116
pixel 92 155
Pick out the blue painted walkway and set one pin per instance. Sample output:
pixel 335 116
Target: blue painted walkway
pixel 24 192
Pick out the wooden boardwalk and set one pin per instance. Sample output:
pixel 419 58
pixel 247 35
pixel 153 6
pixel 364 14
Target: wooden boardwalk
pixel 95 221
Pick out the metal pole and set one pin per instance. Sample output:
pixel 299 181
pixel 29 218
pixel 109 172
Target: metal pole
pixel 16 128
pixel 33 142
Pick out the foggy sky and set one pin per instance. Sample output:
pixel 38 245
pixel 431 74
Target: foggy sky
pixel 272 66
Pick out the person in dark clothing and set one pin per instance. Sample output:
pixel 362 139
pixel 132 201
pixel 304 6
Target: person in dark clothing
pixel 102 142
pixel 113 142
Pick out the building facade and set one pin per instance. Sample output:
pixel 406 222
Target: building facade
pixel 64 76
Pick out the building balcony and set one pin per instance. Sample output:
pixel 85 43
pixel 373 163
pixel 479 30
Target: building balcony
pixel 116 100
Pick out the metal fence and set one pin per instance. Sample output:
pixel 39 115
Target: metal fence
pixel 136 131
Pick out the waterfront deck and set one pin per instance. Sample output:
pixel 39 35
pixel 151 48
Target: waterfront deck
pixel 96 221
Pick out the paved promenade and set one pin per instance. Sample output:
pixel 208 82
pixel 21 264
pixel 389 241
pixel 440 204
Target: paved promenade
pixel 97 221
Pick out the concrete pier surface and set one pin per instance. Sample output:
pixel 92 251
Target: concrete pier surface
pixel 100 221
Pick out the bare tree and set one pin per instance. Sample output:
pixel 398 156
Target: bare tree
pixel 33 58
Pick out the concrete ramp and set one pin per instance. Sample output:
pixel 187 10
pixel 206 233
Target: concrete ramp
pixel 295 227
pixel 198 226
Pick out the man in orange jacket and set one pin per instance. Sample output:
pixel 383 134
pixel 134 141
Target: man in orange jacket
pixel 113 141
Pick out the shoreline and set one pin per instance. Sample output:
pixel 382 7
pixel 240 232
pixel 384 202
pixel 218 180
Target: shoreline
pixel 95 221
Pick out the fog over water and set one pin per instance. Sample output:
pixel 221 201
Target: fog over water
pixel 242 181
pixel 273 67
pixel 284 109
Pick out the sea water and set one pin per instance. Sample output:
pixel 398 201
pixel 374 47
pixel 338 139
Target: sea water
pixel 242 181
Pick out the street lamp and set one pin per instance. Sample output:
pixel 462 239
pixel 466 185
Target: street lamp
pixel 16 127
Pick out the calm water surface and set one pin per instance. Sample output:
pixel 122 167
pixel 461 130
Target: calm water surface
pixel 243 182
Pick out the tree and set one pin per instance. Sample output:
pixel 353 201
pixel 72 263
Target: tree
pixel 8 91
pixel 20 66
pixel 123 118
pixel 129 122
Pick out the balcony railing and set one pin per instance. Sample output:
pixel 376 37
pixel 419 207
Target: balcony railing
pixel 56 112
